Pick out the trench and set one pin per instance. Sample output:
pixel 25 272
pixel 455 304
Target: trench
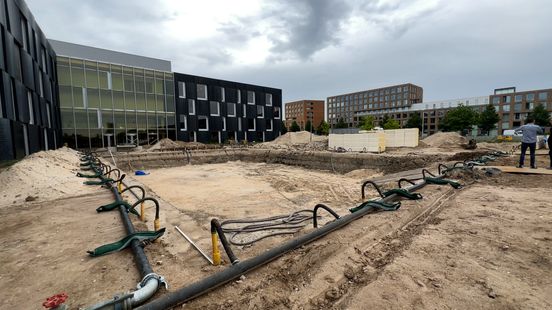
pixel 317 160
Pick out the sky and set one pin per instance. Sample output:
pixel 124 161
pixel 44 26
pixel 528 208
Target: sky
pixel 313 49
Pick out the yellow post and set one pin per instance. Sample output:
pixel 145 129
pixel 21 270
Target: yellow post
pixel 120 187
pixel 216 252
pixel 142 213
pixel 156 224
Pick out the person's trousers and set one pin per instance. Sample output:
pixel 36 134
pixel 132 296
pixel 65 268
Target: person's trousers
pixel 532 147
pixel 550 154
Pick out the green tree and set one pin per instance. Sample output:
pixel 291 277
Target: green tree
pixel 460 119
pixel 540 115
pixel 323 128
pixel 488 118
pixel 341 124
pixel 384 120
pixel 367 123
pixel 294 127
pixel 392 124
pixel 414 121
pixel 284 128
pixel 308 126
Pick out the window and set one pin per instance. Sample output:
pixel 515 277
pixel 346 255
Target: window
pixel 543 96
pixel 224 123
pixel 181 90
pixel 530 97
pixel 529 106
pixel 231 109
pixel 260 111
pixel 518 98
pixel 268 125
pixel 31 109
pixel 183 123
pixel 214 108
pixel 222 94
pixel 506 99
pixel 25 32
pixel 202 123
pixel 269 99
pixel 506 108
pixel 276 112
pixel 496 100
pixel 251 125
pixel 250 97
pixel 201 92
pixel 506 125
pixel 191 107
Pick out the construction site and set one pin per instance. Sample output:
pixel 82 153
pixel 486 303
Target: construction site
pixel 287 224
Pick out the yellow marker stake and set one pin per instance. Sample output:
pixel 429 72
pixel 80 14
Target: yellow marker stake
pixel 120 187
pixel 156 224
pixel 142 214
pixel 216 252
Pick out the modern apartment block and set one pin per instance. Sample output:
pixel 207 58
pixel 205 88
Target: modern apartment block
pixel 29 111
pixel 110 98
pixel 303 111
pixel 217 111
pixel 350 107
pixel 513 106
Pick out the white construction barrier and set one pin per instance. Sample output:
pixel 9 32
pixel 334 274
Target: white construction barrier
pixel 402 137
pixel 375 141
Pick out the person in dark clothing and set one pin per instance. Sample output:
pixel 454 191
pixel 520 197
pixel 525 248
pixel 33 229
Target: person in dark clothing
pixel 529 140
pixel 550 147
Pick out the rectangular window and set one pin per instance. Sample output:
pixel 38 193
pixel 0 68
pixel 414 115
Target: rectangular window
pixel 251 124
pixel 269 99
pixel 214 108
pixel 530 97
pixel 25 32
pixel 506 108
pixel 224 123
pixel 529 106
pixel 268 125
pixel 181 90
pixel 231 107
pixel 191 107
pixel 277 112
pixel 31 108
pixel 506 125
pixel 543 96
pixel 250 97
pixel 201 92
pixel 506 99
pixel 183 123
pixel 202 123
pixel 496 100
pixel 518 98
pixel 260 111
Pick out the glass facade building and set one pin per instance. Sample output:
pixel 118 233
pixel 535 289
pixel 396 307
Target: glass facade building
pixel 105 104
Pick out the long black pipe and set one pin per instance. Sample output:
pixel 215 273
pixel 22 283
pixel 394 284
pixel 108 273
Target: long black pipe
pixel 235 271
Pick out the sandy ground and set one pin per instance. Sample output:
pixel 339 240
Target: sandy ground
pixel 486 246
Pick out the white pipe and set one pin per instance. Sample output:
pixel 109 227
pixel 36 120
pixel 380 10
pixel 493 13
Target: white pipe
pixel 144 293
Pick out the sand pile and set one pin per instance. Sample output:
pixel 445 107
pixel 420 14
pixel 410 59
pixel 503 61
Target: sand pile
pixel 300 140
pixel 164 144
pixel 445 140
pixel 42 176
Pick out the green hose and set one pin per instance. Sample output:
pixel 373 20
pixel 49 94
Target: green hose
pixel 403 193
pixel 439 181
pixel 384 206
pixel 123 243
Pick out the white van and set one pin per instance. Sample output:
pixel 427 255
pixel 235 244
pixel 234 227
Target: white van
pixel 512 133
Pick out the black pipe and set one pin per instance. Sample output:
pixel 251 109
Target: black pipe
pixel 315 212
pixel 375 186
pixel 424 171
pixel 235 271
pixel 139 255
pixel 216 228
pixel 404 180
pixel 129 188
pixel 146 199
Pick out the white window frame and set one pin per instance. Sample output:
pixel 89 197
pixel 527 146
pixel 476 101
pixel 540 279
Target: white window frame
pixel 254 125
pixel 239 124
pixel 49 116
pixel 109 81
pixel 244 110
pixel 41 86
pixel 224 124
pixel 267 101
pixel 45 131
pixel 239 96
pixel 234 105
pixel 31 107
pixel 251 103
pixel 185 127
pixel 181 89
pixel 206 122
pixel 193 105
pixel 205 87
pixel 279 112
pixel 222 94
pixel 85 97
pixel 218 108
pixel 271 125
pixel 26 139
pixel 257 112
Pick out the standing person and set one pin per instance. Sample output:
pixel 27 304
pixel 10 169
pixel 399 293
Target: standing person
pixel 529 140
pixel 550 147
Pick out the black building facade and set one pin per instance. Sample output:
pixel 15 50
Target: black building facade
pixel 29 110
pixel 217 111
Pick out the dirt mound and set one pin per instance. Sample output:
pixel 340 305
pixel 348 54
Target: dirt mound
pixel 164 144
pixel 297 140
pixel 42 176
pixel 445 140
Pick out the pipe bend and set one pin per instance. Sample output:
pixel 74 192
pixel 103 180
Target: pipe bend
pixel 424 171
pixel 373 184
pixel 146 199
pixel 404 180
pixel 216 228
pixel 315 212
pixel 129 188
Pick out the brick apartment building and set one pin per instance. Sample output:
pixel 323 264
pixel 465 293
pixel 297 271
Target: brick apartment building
pixel 303 111
pixel 513 106
pixel 387 100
